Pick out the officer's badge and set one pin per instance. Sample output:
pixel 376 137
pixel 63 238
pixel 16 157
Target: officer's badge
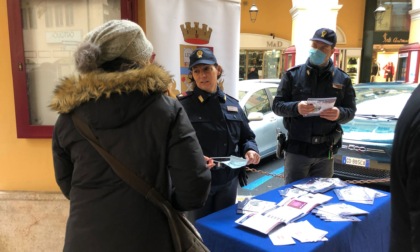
pixel 199 54
pixel 232 109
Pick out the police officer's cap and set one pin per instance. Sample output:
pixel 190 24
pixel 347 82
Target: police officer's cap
pixel 202 56
pixel 325 35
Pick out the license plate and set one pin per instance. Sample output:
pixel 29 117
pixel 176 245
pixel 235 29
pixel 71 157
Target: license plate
pixel 356 161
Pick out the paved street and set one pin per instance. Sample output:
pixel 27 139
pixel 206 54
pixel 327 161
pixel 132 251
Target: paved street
pixel 260 183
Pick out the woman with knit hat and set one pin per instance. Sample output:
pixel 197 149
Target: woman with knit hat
pixel 121 94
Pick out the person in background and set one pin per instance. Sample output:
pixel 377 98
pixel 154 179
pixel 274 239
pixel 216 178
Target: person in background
pixel 312 140
pixel 222 130
pixel 253 74
pixel 405 176
pixel 389 71
pixel 122 96
pixel 374 71
pixel 391 77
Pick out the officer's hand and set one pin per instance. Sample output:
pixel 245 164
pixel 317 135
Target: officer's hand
pixel 304 108
pixel 243 177
pixel 209 162
pixel 252 157
pixel 331 114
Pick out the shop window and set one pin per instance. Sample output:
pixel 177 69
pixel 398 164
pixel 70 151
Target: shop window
pixel 267 63
pixel 43 37
pixel 272 64
pixel 396 16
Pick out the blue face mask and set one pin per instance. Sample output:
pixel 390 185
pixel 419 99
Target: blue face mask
pixel 316 56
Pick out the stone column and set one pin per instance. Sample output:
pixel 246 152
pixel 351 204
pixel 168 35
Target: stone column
pixel 307 17
pixel 415 22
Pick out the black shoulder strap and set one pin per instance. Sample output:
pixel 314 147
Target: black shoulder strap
pixel 123 172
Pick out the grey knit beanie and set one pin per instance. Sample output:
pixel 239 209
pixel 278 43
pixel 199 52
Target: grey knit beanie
pixel 114 39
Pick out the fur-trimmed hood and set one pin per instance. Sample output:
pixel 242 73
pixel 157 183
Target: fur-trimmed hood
pixel 74 91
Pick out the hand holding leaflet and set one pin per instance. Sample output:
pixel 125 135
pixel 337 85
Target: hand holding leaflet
pixel 232 161
pixel 320 104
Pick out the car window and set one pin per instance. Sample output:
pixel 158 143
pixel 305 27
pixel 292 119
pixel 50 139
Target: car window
pixel 258 102
pixel 242 94
pixel 273 91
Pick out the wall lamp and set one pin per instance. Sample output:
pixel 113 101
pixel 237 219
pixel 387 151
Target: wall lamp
pixel 379 12
pixel 253 13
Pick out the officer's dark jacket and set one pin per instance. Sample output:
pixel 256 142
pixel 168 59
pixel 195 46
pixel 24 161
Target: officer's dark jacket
pixel 221 126
pixel 307 81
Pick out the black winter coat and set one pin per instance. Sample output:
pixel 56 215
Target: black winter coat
pixel 405 178
pixel 158 143
pixel 306 81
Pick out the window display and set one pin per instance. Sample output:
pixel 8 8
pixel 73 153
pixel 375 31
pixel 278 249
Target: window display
pixel 265 63
pixel 352 69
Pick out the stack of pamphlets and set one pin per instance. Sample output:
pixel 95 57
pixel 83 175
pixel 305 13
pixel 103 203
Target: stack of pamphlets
pixel 253 206
pixel 358 194
pixel 287 211
pixel 338 212
pixel 302 231
pixel 292 192
pixel 320 185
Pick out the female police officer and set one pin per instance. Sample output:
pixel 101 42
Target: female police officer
pixel 222 130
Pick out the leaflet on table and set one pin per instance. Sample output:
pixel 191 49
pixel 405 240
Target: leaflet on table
pixel 358 194
pixel 288 210
pixel 338 212
pixel 253 205
pixel 320 185
pixel 320 104
pixel 302 231
pixel 292 192
pixel 336 218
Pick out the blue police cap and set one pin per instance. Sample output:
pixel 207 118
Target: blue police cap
pixel 202 56
pixel 325 35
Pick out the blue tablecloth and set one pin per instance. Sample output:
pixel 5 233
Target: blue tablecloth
pixel 221 233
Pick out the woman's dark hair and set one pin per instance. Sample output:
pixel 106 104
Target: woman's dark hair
pixel 119 65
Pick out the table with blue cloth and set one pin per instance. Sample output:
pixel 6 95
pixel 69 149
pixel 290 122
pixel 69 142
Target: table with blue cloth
pixel 221 233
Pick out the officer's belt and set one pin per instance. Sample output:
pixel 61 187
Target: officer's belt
pixel 320 139
pixel 332 138
pixel 314 139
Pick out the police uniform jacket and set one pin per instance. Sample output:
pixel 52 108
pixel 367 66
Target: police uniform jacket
pixel 307 81
pixel 221 126
pixel 157 142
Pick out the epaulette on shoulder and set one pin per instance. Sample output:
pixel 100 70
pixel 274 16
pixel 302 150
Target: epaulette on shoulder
pixel 294 68
pixel 184 95
pixel 341 70
pixel 232 97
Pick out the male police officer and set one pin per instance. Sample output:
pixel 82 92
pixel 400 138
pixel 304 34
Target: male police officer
pixel 222 130
pixel 312 140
